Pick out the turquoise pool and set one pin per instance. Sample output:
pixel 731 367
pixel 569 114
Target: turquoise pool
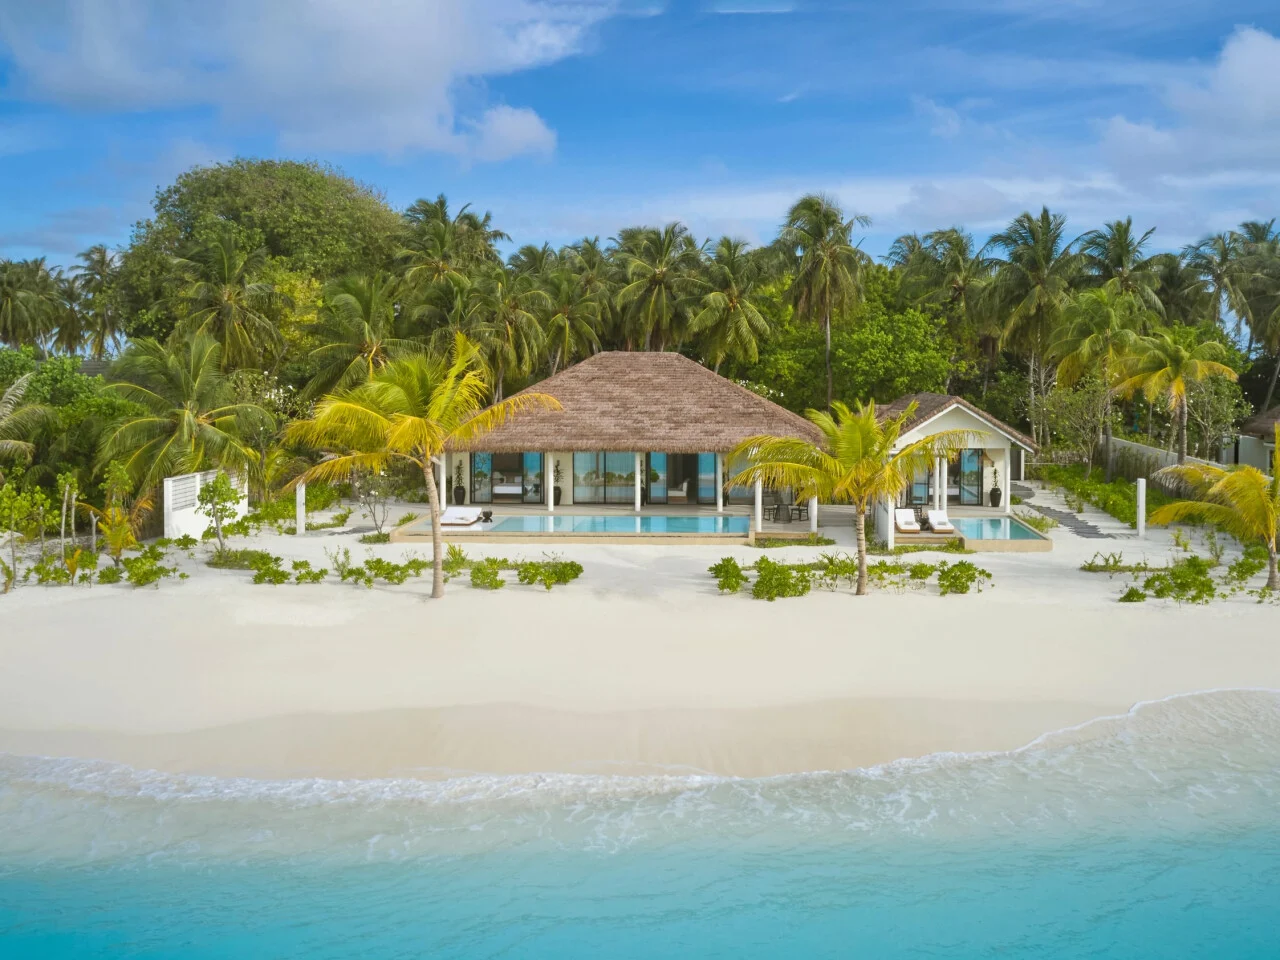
pixel 647 524
pixel 993 528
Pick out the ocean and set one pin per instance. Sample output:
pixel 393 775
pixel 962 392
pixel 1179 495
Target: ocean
pixel 1151 835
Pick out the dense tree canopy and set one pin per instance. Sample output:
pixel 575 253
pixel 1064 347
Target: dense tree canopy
pixel 260 287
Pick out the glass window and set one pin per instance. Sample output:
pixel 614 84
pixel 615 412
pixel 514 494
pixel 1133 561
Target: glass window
pixel 588 478
pixel 657 478
pixel 743 493
pixel 531 477
pixel 482 478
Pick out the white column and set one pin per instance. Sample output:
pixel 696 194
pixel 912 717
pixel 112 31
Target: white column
pixel 1006 489
pixel 549 481
pixel 300 509
pixel 1142 508
pixel 639 469
pixel 444 481
pixel 937 483
pixel 759 507
pixel 942 487
pixel 719 483
pixel 813 514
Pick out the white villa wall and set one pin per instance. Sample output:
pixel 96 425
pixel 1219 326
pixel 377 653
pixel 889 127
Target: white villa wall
pixel 181 506
pixel 1253 451
pixel 993 442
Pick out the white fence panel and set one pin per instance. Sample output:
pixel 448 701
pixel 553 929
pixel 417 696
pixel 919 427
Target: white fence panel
pixel 181 506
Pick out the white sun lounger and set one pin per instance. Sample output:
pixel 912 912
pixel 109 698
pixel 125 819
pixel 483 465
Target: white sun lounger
pixel 939 522
pixel 459 516
pixel 905 521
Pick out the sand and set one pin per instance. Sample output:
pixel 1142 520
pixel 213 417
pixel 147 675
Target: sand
pixel 639 666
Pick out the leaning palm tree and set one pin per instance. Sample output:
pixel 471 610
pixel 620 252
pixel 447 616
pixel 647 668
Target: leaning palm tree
pixel 1242 500
pixel 191 420
pixel 19 421
pixel 221 297
pixel 730 318
pixel 856 462
pixel 409 412
pixel 1161 366
pixel 829 266
pixel 357 332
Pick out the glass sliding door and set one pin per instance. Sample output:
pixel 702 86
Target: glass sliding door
pixel 657 479
pixel 707 481
pixel 619 477
pixel 482 478
pixel 588 478
pixel 971 477
pixel 531 477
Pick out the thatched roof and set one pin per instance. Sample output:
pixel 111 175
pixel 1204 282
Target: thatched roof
pixel 1261 424
pixel 644 401
pixel 930 405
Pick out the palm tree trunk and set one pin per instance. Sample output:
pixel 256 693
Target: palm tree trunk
pixel 1271 387
pixel 62 531
pixel 497 387
pixel 1182 430
pixel 1031 399
pixel 437 540
pixel 1273 574
pixel 826 328
pixel 861 521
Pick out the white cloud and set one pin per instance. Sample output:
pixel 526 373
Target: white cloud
pixel 944 121
pixel 344 75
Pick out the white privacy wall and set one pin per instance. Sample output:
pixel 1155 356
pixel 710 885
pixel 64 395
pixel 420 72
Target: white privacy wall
pixel 181 516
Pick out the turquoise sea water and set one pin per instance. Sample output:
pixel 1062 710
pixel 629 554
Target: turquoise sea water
pixel 1152 835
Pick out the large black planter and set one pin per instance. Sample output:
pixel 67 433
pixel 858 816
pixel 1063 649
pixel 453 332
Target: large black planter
pixel 459 495
pixel 557 493
pixel 995 496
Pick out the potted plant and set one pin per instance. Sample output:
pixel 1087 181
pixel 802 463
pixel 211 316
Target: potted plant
pixel 459 489
pixel 996 493
pixel 557 476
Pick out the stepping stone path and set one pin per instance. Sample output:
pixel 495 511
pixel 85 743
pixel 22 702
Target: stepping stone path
pixel 1081 528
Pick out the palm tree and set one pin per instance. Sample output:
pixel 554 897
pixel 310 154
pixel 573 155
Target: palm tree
pixel 19 421
pixel 221 298
pixel 828 271
pixel 191 420
pixel 661 279
pixel 96 272
pixel 1032 287
pixel 357 331
pixel 1115 253
pixel 1242 500
pixel 533 260
pixel 855 462
pixel 1216 260
pixel 1100 329
pixel 28 303
pixel 471 236
pixel 504 316
pixel 729 317
pixel 1161 366
pixel 571 321
pixel 410 412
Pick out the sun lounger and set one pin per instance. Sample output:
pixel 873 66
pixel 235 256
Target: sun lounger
pixel 459 516
pixel 905 521
pixel 939 523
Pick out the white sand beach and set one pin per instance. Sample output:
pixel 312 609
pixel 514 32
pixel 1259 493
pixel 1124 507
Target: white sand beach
pixel 638 666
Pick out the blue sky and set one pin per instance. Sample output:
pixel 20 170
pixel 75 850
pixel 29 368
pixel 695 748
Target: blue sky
pixel 577 117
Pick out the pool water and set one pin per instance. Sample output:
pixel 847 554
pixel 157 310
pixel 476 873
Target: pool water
pixel 566 523
pixel 993 528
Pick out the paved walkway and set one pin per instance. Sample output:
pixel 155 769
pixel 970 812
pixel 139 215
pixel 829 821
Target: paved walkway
pixel 1066 519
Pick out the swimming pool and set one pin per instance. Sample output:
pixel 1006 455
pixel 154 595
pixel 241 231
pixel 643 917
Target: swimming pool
pixel 993 528
pixel 621 525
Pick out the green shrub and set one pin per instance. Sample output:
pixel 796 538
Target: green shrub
pixel 812 540
pixel 1133 595
pixel 834 567
pixel 1251 563
pixel 186 542
pixel 147 568
pixel 1118 498
pixel 921 571
pixel 549 573
pixel 112 574
pixel 239 559
pixel 304 574
pixel 338 520
pixel 960 577
pixel 340 560
pixel 774 580
pixel 49 570
pixel 1037 521
pixel 407 518
pixel 487 575
pixel 1113 563
pixel 729 574
pixel 1184 581
pixel 382 537
pixel 320 496
pixel 395 573
pixel 455 559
